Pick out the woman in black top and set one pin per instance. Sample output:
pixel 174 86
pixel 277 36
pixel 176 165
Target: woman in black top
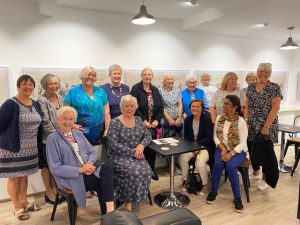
pixel 150 109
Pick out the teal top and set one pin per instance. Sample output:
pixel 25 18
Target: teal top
pixel 90 110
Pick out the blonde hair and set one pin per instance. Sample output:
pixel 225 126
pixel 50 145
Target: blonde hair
pixel 64 109
pixel 128 98
pixel 205 74
pixel 250 75
pixel 166 76
pixel 45 80
pixel 86 70
pixel 265 66
pixel 223 85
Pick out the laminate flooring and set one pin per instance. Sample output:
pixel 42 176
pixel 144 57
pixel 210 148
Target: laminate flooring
pixel 270 207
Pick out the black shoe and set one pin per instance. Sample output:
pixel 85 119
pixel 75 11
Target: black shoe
pixel 154 176
pixel 49 201
pixel 211 198
pixel 238 205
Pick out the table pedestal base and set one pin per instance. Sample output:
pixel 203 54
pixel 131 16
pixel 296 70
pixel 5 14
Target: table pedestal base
pixel 168 201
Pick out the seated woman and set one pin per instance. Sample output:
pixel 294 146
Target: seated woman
pixel 199 128
pixel 72 162
pixel 127 139
pixel 230 136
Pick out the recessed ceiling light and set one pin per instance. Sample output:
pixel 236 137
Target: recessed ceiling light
pixel 191 3
pixel 262 25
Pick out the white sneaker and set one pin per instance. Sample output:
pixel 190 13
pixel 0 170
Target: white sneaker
pixel 255 177
pixel 263 185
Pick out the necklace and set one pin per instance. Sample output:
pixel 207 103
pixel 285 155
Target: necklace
pixel 114 93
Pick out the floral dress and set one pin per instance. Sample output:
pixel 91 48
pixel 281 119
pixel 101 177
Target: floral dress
pixel 259 106
pixel 132 176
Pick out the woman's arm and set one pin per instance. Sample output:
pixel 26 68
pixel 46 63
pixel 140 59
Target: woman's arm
pixel 107 118
pixel 275 106
pixel 243 134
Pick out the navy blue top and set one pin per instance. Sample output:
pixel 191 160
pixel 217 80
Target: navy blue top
pixel 9 126
pixel 114 95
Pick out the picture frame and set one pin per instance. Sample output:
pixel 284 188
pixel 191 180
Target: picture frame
pixel 4 84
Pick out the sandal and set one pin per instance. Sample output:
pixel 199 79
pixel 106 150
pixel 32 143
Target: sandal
pixel 22 214
pixel 31 207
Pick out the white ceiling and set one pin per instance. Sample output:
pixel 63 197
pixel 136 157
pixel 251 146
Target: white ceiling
pixel 229 17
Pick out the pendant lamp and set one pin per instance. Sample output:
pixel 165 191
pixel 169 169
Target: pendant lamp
pixel 289 45
pixel 143 18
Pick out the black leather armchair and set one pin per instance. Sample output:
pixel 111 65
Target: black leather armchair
pixel 180 216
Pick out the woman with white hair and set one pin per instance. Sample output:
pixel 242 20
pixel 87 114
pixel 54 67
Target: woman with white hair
pixel 127 139
pixel 261 107
pixel 74 165
pixel 92 106
pixel 191 93
pixel 208 89
pixel 171 97
pixel 115 89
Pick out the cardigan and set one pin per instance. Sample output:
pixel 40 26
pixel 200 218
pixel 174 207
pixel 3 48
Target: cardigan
pixel 49 121
pixel 9 126
pixel 142 99
pixel 64 165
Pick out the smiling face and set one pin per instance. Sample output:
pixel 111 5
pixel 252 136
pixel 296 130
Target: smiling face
pixel 205 79
pixel 147 76
pixel 263 75
pixel 231 83
pixel 196 108
pixel 90 78
pixel 116 77
pixel 169 82
pixel 251 80
pixel 128 108
pixel 191 84
pixel 228 107
pixel 26 88
pixel 53 85
pixel 66 121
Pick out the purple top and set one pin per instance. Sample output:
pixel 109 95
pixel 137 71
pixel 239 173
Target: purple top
pixel 114 95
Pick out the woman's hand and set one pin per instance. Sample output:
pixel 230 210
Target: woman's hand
pixel 265 130
pixel 154 124
pixel 77 127
pixel 105 133
pixel 139 151
pixel 227 157
pixel 87 168
pixel 171 122
pixel 147 124
pixel 178 122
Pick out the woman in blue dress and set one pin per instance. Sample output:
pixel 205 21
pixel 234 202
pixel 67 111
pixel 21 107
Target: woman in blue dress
pixel 92 106
pixel 115 89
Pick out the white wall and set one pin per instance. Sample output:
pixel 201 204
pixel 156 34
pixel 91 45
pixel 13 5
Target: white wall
pixel 76 38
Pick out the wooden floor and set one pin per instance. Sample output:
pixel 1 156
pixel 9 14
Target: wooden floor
pixel 271 207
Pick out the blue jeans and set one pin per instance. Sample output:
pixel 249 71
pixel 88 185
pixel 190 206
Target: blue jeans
pixel 231 170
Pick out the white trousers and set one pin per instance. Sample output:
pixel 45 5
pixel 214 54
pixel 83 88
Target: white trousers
pixel 202 159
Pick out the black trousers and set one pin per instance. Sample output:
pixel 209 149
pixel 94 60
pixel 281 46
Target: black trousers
pixel 104 186
pixel 250 145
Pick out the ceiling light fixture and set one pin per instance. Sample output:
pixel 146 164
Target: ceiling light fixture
pixel 194 2
pixel 143 18
pixel 289 45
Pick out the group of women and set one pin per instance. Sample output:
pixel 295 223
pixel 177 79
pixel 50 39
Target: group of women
pixel 64 137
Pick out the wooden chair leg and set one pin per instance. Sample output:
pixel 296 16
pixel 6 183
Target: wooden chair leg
pixel 149 196
pixel 54 207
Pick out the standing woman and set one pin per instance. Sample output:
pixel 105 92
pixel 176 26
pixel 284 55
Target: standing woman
pixel 20 137
pixel 115 90
pixel 150 109
pixel 262 105
pixel 49 103
pixel 92 106
pixel 171 97
pixel 228 87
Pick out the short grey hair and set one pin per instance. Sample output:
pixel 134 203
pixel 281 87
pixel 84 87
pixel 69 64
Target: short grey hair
pixel 45 80
pixel 166 76
pixel 265 66
pixel 147 68
pixel 64 109
pixel 86 70
pixel 191 77
pixel 113 68
pixel 128 98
